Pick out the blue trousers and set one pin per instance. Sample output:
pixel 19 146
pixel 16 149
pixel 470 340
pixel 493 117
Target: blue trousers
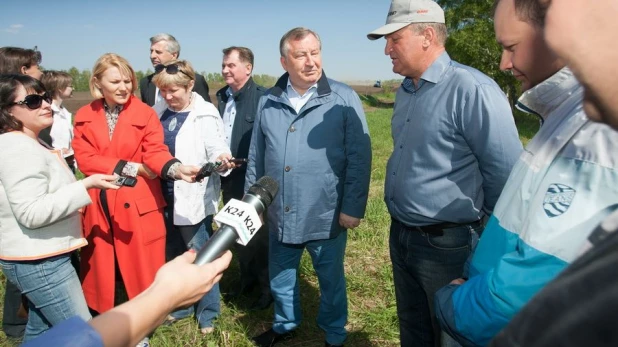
pixel 53 290
pixel 192 237
pixel 327 257
pixel 422 264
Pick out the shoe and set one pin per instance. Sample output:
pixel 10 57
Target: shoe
pixel 326 344
pixel 145 342
pixel 270 337
pixel 262 303
pixel 207 330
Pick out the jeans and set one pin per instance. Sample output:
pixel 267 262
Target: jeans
pixel 193 237
pixel 327 257
pixel 53 290
pixel 422 264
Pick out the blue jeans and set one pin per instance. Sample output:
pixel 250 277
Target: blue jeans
pixel 327 257
pixel 193 237
pixel 53 290
pixel 422 264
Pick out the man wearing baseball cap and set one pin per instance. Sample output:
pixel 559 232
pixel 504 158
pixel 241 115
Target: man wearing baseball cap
pixel 455 143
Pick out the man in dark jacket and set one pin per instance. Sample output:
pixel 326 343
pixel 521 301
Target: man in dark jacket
pixel 165 48
pixel 237 103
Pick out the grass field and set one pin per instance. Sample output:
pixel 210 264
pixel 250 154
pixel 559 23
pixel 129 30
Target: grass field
pixel 372 313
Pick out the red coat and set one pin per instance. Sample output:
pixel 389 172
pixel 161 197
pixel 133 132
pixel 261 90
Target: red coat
pixel 138 232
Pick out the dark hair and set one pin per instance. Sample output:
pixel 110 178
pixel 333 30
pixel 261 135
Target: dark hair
pixel 244 54
pixel 13 58
pixel 528 10
pixel 9 84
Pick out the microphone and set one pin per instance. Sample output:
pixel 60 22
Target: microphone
pixel 239 220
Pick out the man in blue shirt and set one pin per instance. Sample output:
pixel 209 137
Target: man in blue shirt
pixel 455 143
pixel 311 136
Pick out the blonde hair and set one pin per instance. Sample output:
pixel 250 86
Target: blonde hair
pixel 106 61
pixel 183 77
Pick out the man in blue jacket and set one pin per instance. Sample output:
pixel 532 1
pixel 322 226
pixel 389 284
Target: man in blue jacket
pixel 455 143
pixel 561 188
pixel 311 136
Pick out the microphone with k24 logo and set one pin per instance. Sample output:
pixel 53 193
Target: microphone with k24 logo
pixel 239 220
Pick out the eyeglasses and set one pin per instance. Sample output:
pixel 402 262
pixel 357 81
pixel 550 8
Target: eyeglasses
pixel 171 69
pixel 33 101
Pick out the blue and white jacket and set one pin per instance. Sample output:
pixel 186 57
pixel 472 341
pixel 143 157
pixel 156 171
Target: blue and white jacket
pixel 564 184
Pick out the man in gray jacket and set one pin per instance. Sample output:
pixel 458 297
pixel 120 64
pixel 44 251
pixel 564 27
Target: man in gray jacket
pixel 237 103
pixel 311 136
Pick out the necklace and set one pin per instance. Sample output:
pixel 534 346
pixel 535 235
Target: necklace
pixel 174 122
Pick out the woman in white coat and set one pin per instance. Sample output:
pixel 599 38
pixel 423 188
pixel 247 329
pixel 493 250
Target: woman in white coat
pixel 40 200
pixel 194 134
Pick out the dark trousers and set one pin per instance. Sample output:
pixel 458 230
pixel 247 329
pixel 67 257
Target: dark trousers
pixel 252 258
pixel 12 324
pixel 423 262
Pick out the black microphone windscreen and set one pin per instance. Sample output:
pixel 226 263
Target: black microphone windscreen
pixel 266 187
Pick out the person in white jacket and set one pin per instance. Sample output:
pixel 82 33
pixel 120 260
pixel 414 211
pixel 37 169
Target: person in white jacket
pixel 39 208
pixel 194 133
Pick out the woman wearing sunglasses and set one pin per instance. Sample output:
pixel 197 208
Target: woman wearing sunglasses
pixel 117 133
pixel 39 204
pixel 194 133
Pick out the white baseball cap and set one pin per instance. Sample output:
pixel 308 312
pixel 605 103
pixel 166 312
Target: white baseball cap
pixel 404 12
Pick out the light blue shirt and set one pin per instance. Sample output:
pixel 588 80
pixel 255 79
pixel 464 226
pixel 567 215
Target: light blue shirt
pixel 229 116
pixel 298 101
pixel 454 144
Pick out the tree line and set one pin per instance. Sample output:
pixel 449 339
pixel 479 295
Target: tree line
pixel 81 78
pixel 471 42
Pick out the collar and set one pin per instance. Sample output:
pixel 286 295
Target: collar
pixel 323 88
pixel 433 74
pixel 290 87
pixel 115 110
pixel 546 96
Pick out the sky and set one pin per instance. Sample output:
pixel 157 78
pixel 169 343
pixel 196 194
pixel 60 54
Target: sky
pixel 75 33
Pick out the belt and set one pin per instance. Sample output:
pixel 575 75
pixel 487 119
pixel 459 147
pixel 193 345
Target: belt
pixel 436 228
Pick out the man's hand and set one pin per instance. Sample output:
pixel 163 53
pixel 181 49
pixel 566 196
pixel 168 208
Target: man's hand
pixel 458 281
pixel 348 222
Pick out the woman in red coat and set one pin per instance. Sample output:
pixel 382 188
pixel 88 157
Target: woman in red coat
pixel 117 133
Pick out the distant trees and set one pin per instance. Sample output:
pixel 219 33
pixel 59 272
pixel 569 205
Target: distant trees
pixel 472 40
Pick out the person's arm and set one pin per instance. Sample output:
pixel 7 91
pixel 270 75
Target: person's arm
pixel 488 126
pixel 358 169
pixel 255 163
pixel 178 283
pixel 25 176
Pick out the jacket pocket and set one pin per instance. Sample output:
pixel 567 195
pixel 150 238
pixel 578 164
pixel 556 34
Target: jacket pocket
pixel 151 219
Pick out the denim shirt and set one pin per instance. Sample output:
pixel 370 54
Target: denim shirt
pixel 454 144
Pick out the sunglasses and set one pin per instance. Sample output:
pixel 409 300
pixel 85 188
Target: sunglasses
pixel 34 101
pixel 171 69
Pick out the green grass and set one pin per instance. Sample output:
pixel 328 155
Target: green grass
pixel 372 317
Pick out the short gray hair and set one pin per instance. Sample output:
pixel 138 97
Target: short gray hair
pixel 298 33
pixel 172 45
pixel 439 28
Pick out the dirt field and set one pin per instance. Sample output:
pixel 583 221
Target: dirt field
pixel 80 99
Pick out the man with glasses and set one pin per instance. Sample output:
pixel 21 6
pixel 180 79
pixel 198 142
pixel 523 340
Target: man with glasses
pixel 163 49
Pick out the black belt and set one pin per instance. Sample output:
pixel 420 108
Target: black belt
pixel 436 228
